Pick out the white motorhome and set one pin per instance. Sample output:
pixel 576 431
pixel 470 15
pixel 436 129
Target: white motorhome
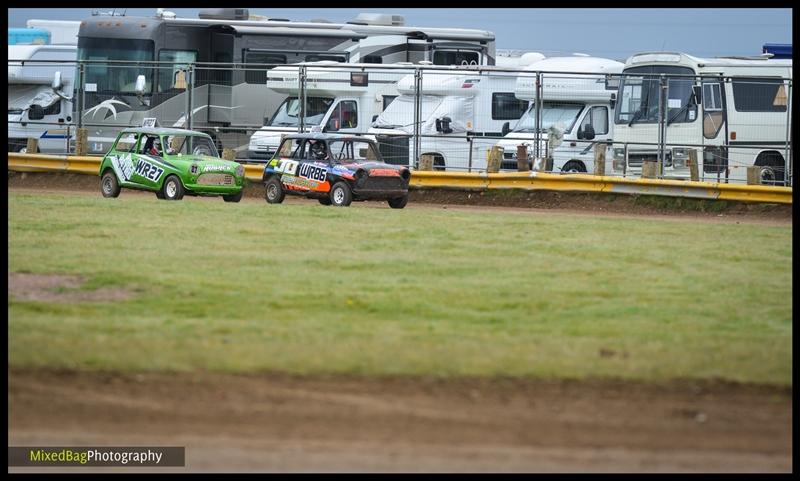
pixel 62 32
pixel 343 98
pixel 577 99
pixel 36 107
pixel 461 117
pixel 735 112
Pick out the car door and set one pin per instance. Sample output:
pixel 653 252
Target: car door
pixel 148 170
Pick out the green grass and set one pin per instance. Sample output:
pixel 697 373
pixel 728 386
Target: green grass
pixel 423 291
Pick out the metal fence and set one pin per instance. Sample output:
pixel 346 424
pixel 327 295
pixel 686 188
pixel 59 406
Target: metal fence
pixel 464 119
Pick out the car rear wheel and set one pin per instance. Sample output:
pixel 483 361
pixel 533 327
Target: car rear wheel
pixel 341 196
pixel 398 202
pixel 274 193
pixel 172 189
pixel 234 197
pixel 109 185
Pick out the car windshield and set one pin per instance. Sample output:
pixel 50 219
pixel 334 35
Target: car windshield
pixel 553 114
pixel 288 114
pixel 190 145
pixel 352 150
pixel 400 113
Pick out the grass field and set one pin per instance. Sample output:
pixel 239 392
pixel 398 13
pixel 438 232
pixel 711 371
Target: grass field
pixel 307 288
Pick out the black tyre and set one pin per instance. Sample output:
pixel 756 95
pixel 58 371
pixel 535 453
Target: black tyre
pixel 234 197
pixel 341 195
pixel 574 167
pixel 274 193
pixel 772 175
pixel 172 188
pixel 109 185
pixel 398 202
pixel 324 200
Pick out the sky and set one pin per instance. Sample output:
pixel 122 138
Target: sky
pixel 608 32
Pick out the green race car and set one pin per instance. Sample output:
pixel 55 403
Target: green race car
pixel 170 162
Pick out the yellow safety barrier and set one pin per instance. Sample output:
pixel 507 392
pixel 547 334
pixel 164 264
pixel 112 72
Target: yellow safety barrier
pixel 481 181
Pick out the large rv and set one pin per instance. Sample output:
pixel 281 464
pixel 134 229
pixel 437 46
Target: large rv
pixel 576 95
pixel 338 98
pixel 231 104
pixel 35 108
pixel 734 112
pixel 461 115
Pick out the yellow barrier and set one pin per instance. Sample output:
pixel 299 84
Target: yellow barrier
pixel 481 181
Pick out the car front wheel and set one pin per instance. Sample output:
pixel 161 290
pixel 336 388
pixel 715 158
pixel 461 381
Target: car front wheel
pixel 233 197
pixel 109 185
pixel 341 196
pixel 172 189
pixel 398 202
pixel 274 193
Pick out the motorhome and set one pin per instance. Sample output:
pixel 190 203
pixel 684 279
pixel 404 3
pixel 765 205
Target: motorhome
pixel 461 115
pixel 577 99
pixel 734 112
pixel 36 107
pixel 227 103
pixel 62 32
pixel 338 98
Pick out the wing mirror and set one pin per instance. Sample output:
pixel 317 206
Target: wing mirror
pixel 57 85
pixel 443 125
pixel 588 132
pixel 506 129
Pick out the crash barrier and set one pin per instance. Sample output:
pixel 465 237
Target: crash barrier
pixel 481 181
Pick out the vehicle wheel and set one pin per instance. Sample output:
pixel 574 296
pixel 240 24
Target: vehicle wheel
pixel 109 185
pixel 324 200
pixel 234 197
pixel 574 167
pixel 341 196
pixel 398 202
pixel 274 192
pixel 172 188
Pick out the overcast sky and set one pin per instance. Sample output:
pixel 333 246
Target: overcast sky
pixel 614 33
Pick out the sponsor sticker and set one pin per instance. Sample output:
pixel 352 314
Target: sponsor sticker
pixel 384 173
pixel 123 166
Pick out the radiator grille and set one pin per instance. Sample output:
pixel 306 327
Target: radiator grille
pixel 215 179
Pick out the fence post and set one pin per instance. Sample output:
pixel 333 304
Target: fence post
pixel 301 78
pixel 787 158
pixel 600 158
pixel 33 145
pixel 81 103
pixel 649 169
pixel 536 128
pixel 522 158
pixel 662 124
pixel 753 175
pixel 189 100
pixel 692 164
pixel 495 159
pixel 417 109
pixel 426 162
pixel 80 141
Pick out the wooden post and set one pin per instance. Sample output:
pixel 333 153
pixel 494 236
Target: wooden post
pixel 33 145
pixel 649 169
pixel 82 142
pixel 600 158
pixel 495 160
pixel 426 162
pixel 691 162
pixel 522 158
pixel 228 154
pixel 754 175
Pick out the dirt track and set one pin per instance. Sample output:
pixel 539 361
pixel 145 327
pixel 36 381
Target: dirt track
pixel 536 202
pixel 277 422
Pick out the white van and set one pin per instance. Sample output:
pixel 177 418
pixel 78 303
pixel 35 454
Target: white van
pixel 36 107
pixel 577 99
pixel 733 111
pixel 342 98
pixel 461 117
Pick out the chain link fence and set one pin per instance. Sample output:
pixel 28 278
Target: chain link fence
pixel 462 119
